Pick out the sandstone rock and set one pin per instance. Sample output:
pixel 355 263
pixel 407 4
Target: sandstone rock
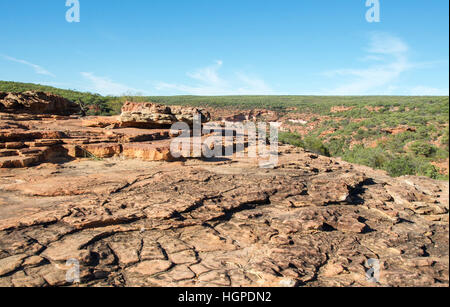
pixel 10 264
pixel 18 162
pixel 37 103
pixel 183 257
pixel 33 261
pixel 332 269
pixel 14 145
pixel 151 115
pixel 186 114
pixel 134 135
pixel 127 251
pixel 102 150
pixel 44 142
pixel 22 280
pixel 151 267
pixel 179 273
pixel 8 153
pixel 148 152
pixel 152 252
pixel 101 122
pixel 350 224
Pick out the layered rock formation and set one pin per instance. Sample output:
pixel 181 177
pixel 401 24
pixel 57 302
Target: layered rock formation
pixel 151 115
pixel 37 103
pixel 28 138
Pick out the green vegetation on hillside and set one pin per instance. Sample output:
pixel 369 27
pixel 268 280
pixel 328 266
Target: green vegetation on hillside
pixel 403 140
pixel 402 135
pixel 320 105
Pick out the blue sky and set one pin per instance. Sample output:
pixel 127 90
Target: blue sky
pixel 225 47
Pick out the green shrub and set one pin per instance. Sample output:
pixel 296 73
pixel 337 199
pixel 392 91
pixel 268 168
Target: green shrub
pixel 444 140
pixel 291 139
pixel 315 145
pixel 372 157
pixel 336 146
pixel 428 170
pixel 310 143
pixel 420 148
pixel 400 166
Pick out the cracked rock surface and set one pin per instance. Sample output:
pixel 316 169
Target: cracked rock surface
pixel 312 221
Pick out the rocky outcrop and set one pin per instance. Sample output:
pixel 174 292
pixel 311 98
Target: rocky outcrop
pixel 151 115
pixel 37 103
pixel 312 221
pixel 186 114
pixel 246 116
pixel 29 140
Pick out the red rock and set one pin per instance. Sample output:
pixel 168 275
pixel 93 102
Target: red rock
pixel 37 103
pixel 8 265
pixel 101 122
pixel 18 162
pixel 151 267
pixel 152 115
pixel 102 150
pixel 14 145
pixel 44 143
pixel 134 135
pixel 8 153
pixel 159 151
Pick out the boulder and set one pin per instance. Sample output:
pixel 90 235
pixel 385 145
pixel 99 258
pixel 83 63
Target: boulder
pixel 186 114
pixel 151 115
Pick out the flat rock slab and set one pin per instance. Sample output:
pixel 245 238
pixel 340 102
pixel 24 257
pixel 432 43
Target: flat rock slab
pixel 312 221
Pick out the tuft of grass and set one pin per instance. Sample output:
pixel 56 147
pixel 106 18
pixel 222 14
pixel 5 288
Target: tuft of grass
pixel 88 155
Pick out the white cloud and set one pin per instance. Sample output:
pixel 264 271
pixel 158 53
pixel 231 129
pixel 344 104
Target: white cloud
pixel 428 91
pixel 106 86
pixel 253 85
pixel 38 69
pixel 391 56
pixel 208 82
pixel 383 43
pixel 209 75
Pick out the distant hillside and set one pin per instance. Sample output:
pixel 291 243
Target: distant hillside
pixel 17 87
pixel 108 105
